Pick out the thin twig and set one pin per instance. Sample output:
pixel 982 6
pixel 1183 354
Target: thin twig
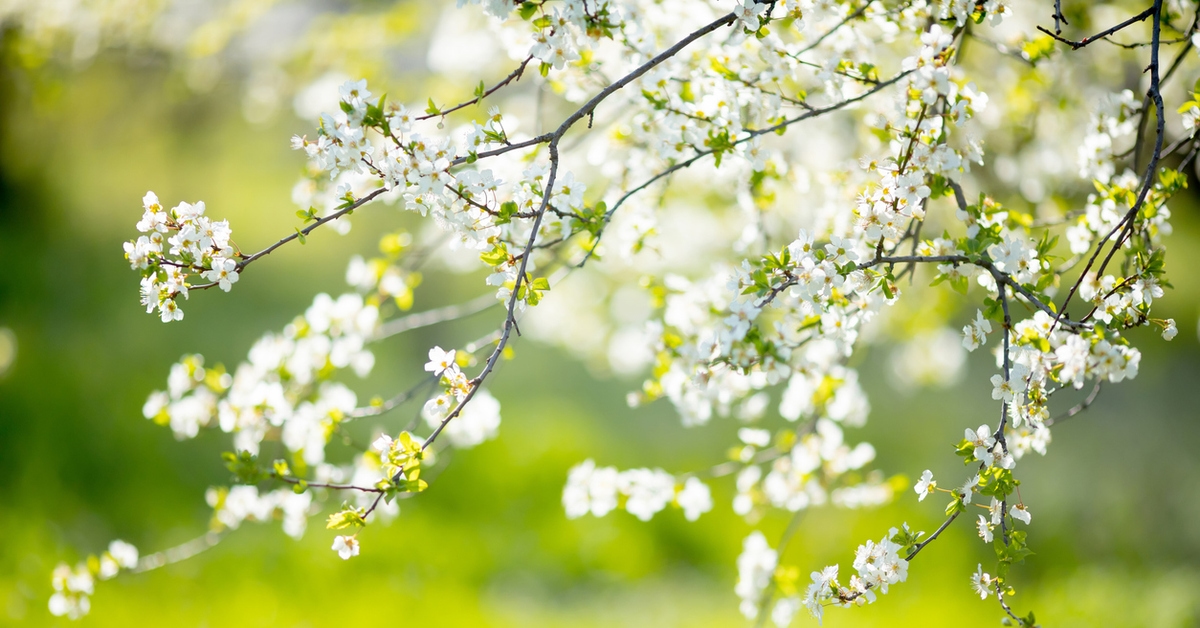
pixel 1059 18
pixel 435 316
pixel 178 553
pixel 920 546
pixel 1077 408
pixel 1126 223
pixel 514 76
pixel 1076 45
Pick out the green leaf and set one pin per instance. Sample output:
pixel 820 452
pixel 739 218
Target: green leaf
pixel 997 482
pixel 244 467
pixel 1172 180
pixel 508 209
pixel 938 186
pixel 993 310
pixel 526 10
pixel 1038 49
pixel 496 256
pixel 1011 554
pixel 281 468
pixel 719 142
pixel 966 449
pixel 345 518
pixel 654 100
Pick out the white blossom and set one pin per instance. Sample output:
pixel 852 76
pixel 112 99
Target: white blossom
pixel 346 546
pixel 925 486
pixel 981 583
pixel 756 565
pixel 695 499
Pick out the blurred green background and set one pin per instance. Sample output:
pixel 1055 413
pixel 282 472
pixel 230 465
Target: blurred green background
pixel 1115 504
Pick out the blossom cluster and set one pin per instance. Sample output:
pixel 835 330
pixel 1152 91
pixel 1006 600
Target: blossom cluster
pixel 236 504
pixel 803 477
pixel 73 586
pixel 756 569
pixel 1112 122
pixel 878 565
pixel 641 492
pixel 285 382
pixel 383 147
pixel 473 423
pixel 180 244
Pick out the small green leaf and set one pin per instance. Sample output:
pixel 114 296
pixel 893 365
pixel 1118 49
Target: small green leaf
pixel 496 256
pixel 281 468
pixel 345 518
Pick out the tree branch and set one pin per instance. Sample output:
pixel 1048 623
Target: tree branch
pixel 1076 45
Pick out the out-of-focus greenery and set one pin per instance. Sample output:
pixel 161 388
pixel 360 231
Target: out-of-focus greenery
pixel 1114 504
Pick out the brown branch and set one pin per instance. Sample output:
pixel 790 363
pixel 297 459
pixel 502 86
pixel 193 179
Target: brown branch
pixel 335 487
pixel 751 134
pixel 1076 45
pixel 1125 226
pixel 393 403
pixel 920 546
pixel 1077 408
pixel 309 229
pixel 552 139
pixel 434 316
pixel 514 76
pixel 1002 277
pixel 1059 18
